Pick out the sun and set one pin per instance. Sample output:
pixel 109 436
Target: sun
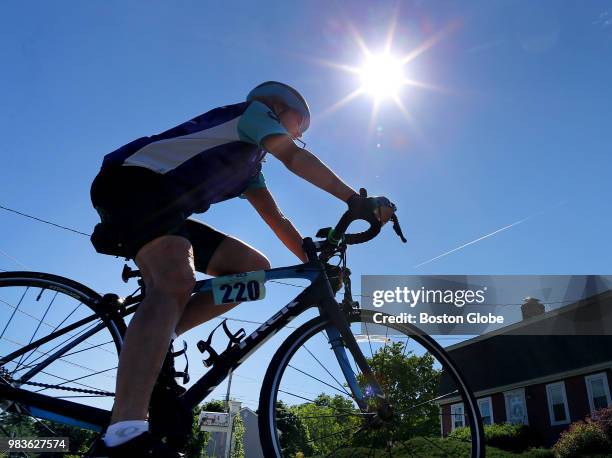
pixel 382 76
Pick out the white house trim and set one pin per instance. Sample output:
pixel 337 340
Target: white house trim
pixel 455 414
pixel 521 393
pixel 488 401
pixel 551 413
pixel 588 379
pixel 536 381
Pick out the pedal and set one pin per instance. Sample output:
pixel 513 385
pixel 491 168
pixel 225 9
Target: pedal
pixel 128 273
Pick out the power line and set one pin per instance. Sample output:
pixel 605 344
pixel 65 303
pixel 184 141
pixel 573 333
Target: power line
pixel 43 221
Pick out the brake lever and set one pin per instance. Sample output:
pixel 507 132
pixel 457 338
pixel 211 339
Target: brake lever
pixel 397 228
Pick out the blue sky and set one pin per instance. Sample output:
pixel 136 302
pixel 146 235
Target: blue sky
pixel 519 127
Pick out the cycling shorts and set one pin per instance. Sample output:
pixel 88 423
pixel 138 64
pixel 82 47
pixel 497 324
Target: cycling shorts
pixel 136 206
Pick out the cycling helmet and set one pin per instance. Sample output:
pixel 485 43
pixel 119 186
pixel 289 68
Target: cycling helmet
pixel 287 95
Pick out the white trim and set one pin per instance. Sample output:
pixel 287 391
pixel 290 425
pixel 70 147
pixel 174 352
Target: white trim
pixel 453 415
pixel 489 401
pixel 535 381
pixel 520 392
pixel 551 413
pixel 588 379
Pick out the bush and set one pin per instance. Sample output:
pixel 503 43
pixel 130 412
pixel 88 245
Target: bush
pixel 506 436
pixel 603 418
pixel 582 438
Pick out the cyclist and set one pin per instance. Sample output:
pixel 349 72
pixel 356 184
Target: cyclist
pixel 144 194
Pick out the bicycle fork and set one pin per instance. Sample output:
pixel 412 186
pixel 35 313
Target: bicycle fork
pixel 341 338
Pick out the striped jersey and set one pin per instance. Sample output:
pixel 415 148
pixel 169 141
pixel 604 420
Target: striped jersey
pixel 213 157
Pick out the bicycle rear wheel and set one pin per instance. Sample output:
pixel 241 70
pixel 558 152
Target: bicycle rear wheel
pixel 306 406
pixel 39 358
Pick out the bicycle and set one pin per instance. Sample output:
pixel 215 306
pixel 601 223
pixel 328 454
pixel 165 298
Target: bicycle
pixel 379 417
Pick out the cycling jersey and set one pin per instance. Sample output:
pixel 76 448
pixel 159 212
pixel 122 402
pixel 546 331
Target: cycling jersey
pixel 213 157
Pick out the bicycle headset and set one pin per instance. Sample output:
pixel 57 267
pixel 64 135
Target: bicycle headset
pixel 287 95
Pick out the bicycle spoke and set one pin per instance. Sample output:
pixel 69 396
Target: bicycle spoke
pixel 54 345
pixel 429 401
pixel 297 396
pixel 369 341
pixel 69 381
pixel 327 370
pixel 67 316
pixel 412 374
pixel 312 400
pixel 383 352
pixel 360 414
pixel 88 348
pixel 71 337
pixel 343 391
pixel 37 328
pixel 405 346
pixel 81 378
pixel 334 434
pixel 14 311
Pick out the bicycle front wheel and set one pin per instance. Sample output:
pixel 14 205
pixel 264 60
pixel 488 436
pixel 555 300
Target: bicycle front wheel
pixel 57 342
pixel 306 406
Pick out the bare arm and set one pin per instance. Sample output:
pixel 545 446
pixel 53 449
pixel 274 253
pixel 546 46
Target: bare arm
pixel 262 200
pixel 306 165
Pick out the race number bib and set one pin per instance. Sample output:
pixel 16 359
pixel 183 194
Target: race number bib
pixel 248 286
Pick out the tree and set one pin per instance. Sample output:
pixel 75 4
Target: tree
pixel 293 431
pixel 198 439
pixel 26 426
pixel 237 437
pixel 328 426
pixel 410 383
pixel 215 405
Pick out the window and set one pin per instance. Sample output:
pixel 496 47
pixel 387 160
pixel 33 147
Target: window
pixel 457 417
pixel 557 403
pixel 486 410
pixel 598 391
pixel 516 409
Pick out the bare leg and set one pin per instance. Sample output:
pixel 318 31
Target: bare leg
pixel 166 265
pixel 232 256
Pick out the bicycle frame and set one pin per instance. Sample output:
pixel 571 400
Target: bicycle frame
pixel 319 293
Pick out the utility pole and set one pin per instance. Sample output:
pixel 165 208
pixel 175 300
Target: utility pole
pixel 230 431
pixel 229 386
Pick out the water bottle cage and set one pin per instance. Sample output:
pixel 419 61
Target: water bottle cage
pixel 206 346
pixel 185 373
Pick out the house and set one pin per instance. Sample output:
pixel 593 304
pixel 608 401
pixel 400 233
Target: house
pixel 250 439
pixel 550 369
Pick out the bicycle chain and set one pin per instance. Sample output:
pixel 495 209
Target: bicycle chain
pixel 59 387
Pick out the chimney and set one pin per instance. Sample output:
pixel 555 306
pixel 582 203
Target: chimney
pixel 532 307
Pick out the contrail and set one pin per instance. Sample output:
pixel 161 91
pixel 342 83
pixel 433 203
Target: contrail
pixel 480 238
pixel 563 202
pixel 13 259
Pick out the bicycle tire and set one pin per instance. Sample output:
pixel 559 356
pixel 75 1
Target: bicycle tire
pixel 269 425
pixel 23 296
